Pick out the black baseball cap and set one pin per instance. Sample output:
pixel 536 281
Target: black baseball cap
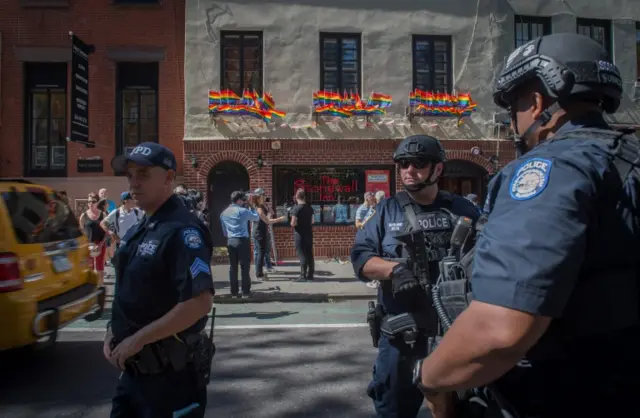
pixel 148 154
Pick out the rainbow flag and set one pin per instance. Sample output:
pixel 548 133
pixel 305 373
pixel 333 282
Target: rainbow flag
pixel 381 100
pixel 226 102
pixel 349 104
pixel 441 104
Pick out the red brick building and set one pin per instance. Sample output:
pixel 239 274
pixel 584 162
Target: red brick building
pixel 225 165
pixel 135 87
pixel 294 50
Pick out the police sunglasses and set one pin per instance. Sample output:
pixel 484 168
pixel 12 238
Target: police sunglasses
pixel 417 164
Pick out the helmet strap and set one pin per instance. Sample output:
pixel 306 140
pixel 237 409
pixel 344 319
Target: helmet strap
pixel 429 182
pixel 520 141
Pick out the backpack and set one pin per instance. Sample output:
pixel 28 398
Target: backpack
pixel 117 224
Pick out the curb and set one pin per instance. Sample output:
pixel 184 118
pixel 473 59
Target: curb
pixel 267 298
pixel 284 297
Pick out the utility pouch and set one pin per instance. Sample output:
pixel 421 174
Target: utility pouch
pixel 455 296
pixel 146 362
pixel 403 326
pixel 174 352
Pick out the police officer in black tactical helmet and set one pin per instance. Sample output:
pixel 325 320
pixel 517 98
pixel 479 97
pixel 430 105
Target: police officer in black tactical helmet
pixel 553 327
pixel 420 160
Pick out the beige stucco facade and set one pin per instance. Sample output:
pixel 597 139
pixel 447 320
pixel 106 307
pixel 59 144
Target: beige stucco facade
pixel 482 34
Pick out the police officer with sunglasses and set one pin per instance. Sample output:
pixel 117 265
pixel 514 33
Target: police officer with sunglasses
pixel 552 328
pixel 420 160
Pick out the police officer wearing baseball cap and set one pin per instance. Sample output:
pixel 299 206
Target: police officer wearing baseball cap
pixel 420 160
pixel 553 326
pixel 163 298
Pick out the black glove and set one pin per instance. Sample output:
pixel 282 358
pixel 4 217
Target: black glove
pixel 402 280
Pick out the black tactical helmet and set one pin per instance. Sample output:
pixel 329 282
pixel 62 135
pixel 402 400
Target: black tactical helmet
pixel 420 147
pixel 566 64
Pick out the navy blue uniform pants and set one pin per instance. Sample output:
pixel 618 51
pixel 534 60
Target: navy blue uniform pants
pixel 168 395
pixel 239 253
pixel 392 390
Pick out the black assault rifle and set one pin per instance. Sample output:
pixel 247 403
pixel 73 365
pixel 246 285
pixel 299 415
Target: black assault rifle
pixel 418 246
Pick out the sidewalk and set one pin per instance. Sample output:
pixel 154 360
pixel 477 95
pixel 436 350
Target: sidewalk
pixel 333 281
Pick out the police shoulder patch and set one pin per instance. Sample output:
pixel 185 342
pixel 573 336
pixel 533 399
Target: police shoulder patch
pixel 192 238
pixel 530 179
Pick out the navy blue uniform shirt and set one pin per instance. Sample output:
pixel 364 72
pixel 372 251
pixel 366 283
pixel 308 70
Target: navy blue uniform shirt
pixel 559 244
pixel 162 261
pixel 377 239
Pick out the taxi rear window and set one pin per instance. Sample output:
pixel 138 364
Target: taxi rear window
pixel 40 217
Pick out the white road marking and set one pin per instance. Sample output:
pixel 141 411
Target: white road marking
pixel 265 326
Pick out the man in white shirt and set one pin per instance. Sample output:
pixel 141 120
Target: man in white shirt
pixel 118 222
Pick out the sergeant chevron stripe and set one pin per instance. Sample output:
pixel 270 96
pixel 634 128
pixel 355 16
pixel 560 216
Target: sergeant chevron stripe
pixel 198 266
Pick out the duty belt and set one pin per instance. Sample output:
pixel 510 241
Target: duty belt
pixel 166 355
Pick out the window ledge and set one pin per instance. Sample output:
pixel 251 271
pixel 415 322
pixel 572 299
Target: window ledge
pixel 135 5
pixel 58 4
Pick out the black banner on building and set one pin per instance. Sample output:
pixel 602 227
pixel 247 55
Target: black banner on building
pixel 90 166
pixel 79 91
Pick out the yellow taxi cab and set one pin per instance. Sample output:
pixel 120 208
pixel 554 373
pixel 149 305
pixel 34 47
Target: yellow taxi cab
pixel 46 280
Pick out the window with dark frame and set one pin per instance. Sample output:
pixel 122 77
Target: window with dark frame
pixel 335 192
pixel 241 61
pixel 432 63
pixel 45 3
pixel 137 104
pixel 46 119
pixel 40 217
pixel 597 29
pixel 340 62
pixel 528 28
pixel 136 1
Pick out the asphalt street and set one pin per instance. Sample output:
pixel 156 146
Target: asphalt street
pixel 274 360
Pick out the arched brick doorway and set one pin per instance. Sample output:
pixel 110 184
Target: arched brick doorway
pixel 463 177
pixel 223 179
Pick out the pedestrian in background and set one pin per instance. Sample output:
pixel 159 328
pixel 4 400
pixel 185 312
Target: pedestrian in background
pixel 90 223
pixel 302 223
pixel 365 211
pixel 120 220
pixel 267 256
pixel 260 231
pixel 235 226
pixel 109 207
pixel 380 195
